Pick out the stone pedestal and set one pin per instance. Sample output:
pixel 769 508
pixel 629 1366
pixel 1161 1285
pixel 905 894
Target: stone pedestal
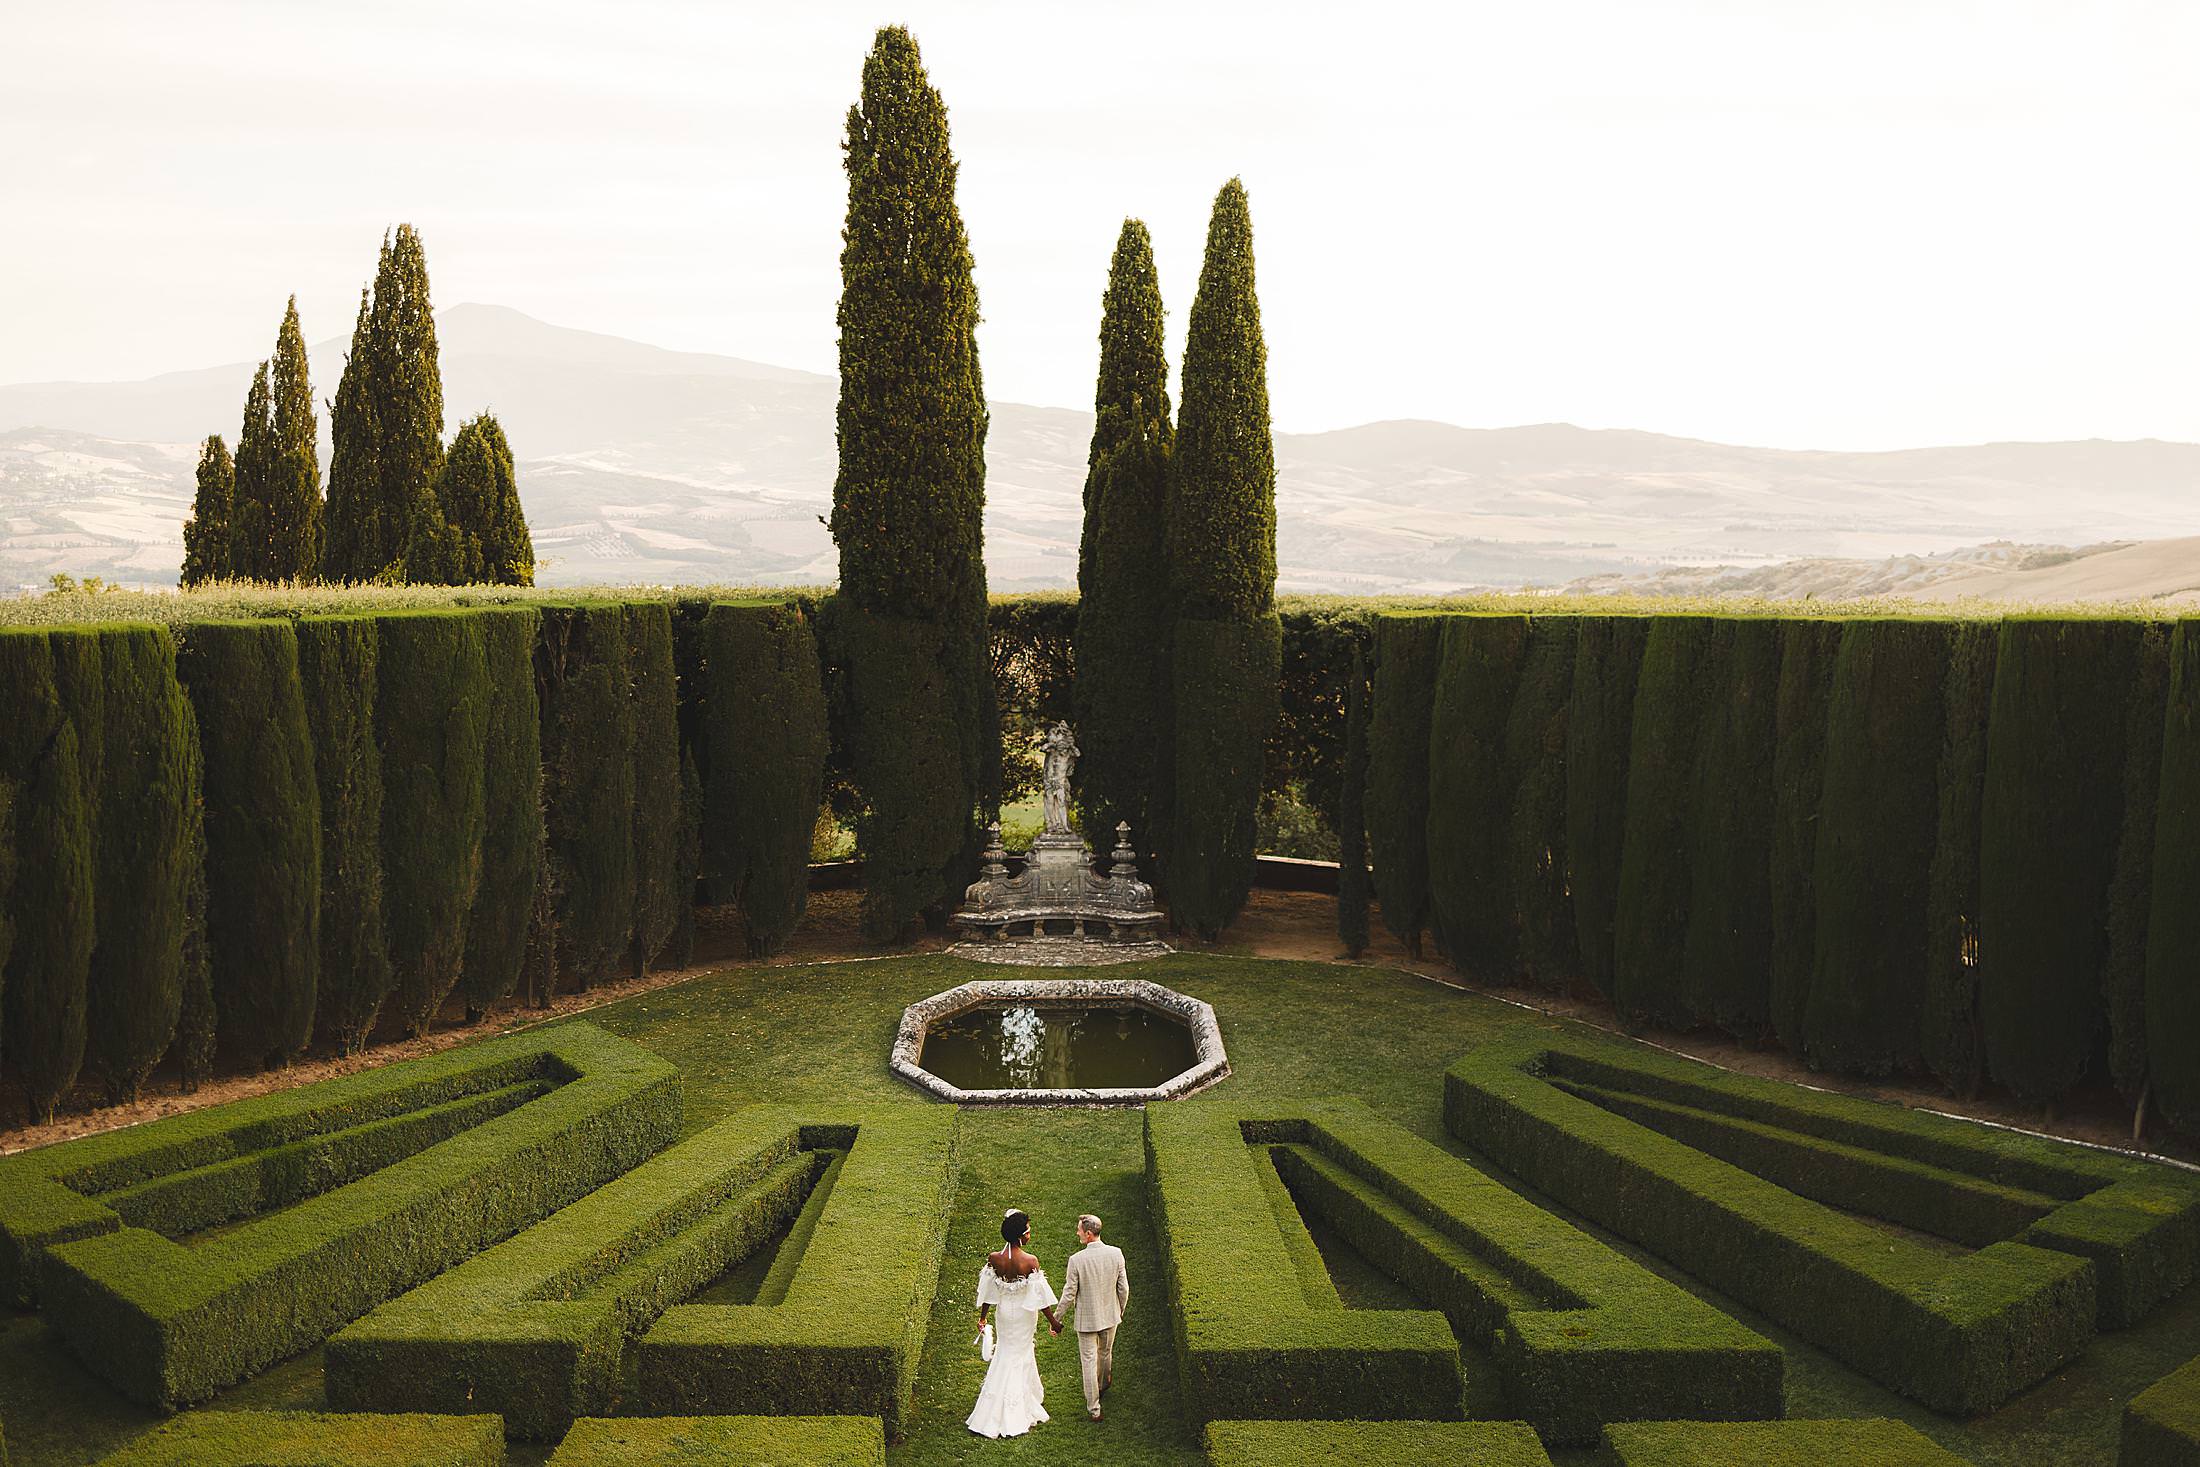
pixel 1059 893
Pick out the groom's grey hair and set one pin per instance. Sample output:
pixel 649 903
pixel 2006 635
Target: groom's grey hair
pixel 1089 1223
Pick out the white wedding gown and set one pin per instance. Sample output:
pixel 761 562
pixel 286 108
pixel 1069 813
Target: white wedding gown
pixel 1009 1401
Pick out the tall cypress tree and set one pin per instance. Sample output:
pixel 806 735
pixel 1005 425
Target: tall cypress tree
pixel 479 496
pixel 255 472
pixel 1122 617
pixel 293 488
pixel 387 425
pixel 1226 647
pixel 909 499
pixel 352 524
pixel 206 533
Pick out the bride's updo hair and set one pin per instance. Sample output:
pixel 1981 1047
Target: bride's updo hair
pixel 1013 1228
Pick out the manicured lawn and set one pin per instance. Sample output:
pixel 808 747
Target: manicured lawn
pixel 1294 1030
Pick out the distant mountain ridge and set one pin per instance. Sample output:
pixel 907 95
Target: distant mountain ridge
pixel 640 464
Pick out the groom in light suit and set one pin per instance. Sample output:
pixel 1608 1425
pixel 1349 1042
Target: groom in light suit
pixel 1099 1289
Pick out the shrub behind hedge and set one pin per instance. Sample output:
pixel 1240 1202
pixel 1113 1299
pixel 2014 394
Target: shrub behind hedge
pixel 337 661
pixel 511 797
pixel 767 741
pixel 431 716
pixel 263 833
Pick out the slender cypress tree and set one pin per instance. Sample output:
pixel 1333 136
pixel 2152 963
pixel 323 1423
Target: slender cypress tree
pixel 479 497
pixel 1226 649
pixel 255 472
pixel 909 499
pixel 206 533
pixel 293 508
pixel 1122 617
pixel 352 526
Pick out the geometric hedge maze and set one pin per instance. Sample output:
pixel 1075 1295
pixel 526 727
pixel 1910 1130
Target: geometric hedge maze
pixel 1579 1334
pixel 180 1256
pixel 540 1328
pixel 1954 1263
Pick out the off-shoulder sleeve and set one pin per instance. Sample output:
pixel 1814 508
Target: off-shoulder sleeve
pixel 1042 1292
pixel 988 1290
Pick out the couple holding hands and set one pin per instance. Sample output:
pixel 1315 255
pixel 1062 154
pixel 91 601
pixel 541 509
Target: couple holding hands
pixel 1014 1288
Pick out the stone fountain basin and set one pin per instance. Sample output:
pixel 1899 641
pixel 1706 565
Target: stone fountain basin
pixel 1210 1064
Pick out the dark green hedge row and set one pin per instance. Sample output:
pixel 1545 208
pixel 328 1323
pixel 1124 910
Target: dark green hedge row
pixel 1224 702
pixel 1850 1443
pixel 1898 844
pixel 1373 1444
pixel 338 659
pixel 588 786
pixel 1580 1334
pixel 707 1441
pixel 878 1241
pixel 1730 1177
pixel 511 800
pixel 169 1322
pixel 535 1328
pixel 2161 1426
pixel 311 1439
pixel 1249 1344
pixel 767 744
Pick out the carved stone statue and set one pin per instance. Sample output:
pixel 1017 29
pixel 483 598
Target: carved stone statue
pixel 1061 758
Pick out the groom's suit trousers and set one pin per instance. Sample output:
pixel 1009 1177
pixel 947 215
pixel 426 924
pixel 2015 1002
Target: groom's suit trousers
pixel 1096 1351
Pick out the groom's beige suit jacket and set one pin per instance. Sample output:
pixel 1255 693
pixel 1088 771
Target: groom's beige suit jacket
pixel 1096 1287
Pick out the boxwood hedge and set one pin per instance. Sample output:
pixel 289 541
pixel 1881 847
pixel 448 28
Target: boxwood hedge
pixel 1249 1343
pixel 536 1327
pixel 1373 1444
pixel 1862 1443
pixel 1580 1333
pixel 707 1441
pixel 347 1192
pixel 2161 1425
pixel 1739 1181
pixel 878 1240
pixel 312 1439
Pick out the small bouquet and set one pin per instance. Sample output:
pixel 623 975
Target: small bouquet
pixel 984 1342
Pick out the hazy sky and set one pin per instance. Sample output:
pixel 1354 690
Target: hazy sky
pixel 1787 222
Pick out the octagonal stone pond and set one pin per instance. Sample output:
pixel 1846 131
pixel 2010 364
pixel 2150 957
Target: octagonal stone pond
pixel 1060 1041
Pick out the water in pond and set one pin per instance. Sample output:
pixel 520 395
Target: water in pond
pixel 1086 1047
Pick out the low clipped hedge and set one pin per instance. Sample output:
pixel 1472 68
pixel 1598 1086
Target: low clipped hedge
pixel 767 743
pixel 846 1336
pixel 2161 1426
pixel 1580 1333
pixel 1731 1177
pixel 535 1328
pixel 1871 1442
pixel 1374 1444
pixel 169 1322
pixel 1249 1343
pixel 707 1441
pixel 313 1439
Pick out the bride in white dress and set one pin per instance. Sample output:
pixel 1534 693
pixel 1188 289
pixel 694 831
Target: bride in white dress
pixel 1015 1288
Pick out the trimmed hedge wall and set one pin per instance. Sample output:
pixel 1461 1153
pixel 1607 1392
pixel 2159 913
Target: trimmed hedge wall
pixel 337 661
pixel 1726 958
pixel 511 798
pixel 1600 722
pixel 1580 1334
pixel 664 883
pixel 169 1322
pixel 431 715
pixel 1730 1177
pixel 1877 821
pixel 767 743
pixel 588 786
pixel 312 1439
pixel 1859 1443
pixel 535 1328
pixel 42 994
pixel 2131 888
pixel 1374 1444
pixel 878 1243
pixel 2161 1425
pixel 1948 1025
pixel 1807 652
pixel 1248 1342
pixel 1406 649
pixel 709 1441
pixel 2173 930
pixel 1471 789
pixel 1224 700
pixel 263 833
pixel 1650 916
